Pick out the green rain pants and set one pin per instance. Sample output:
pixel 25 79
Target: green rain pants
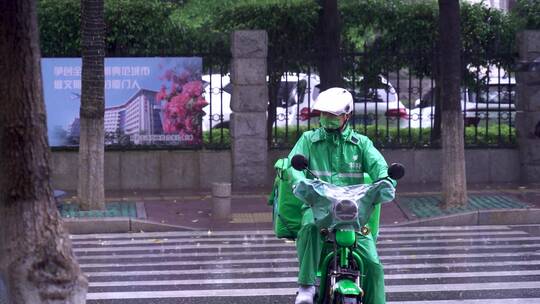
pixel 309 246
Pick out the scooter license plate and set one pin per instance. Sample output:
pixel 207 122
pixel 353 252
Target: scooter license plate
pixel 350 301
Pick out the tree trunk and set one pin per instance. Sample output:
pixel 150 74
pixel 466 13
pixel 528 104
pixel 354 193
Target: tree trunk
pixel 436 128
pixel 329 29
pixel 36 259
pixel 454 183
pixel 90 191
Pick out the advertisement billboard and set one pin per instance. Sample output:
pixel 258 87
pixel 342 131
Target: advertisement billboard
pixel 148 101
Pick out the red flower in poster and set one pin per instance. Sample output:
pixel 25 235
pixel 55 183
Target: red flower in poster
pixel 183 111
pixel 175 114
pixel 193 88
pixel 199 104
pixel 162 94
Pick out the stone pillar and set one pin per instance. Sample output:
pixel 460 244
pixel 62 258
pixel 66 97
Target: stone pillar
pixel 528 105
pixel 249 104
pixel 221 201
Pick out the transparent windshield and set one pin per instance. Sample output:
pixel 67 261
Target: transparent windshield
pixel 324 197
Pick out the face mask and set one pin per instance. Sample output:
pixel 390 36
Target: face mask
pixel 330 123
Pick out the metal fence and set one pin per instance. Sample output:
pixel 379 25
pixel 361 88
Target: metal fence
pixel 396 109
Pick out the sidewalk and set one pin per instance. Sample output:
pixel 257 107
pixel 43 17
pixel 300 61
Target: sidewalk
pixel 191 210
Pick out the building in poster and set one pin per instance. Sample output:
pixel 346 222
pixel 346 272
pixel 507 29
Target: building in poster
pixel 147 100
pixel 138 116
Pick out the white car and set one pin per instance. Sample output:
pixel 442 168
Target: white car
pixel 296 96
pixel 489 104
pixel 293 87
pixel 495 102
pixel 379 105
pixel 423 115
pixel 217 92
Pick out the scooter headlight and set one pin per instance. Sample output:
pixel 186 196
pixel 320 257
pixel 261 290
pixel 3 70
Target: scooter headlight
pixel 345 210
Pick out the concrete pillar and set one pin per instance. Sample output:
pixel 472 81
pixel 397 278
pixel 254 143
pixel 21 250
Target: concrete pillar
pixel 221 201
pixel 528 105
pixel 249 105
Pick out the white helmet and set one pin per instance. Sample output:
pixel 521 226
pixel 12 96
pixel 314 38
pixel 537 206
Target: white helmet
pixel 337 101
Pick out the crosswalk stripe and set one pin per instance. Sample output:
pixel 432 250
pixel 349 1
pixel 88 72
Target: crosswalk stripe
pixel 463 287
pixel 292 251
pixel 446 228
pixel 292 291
pixel 288 269
pixel 418 245
pixel 189 271
pixel 383 237
pixel 270 232
pixel 462 274
pixel 460 240
pixel 294 279
pixel 186 263
pixel 195 282
pixel 457 256
pixel 468 264
pixel 190 294
pixel 183 247
pixel 385 259
pixel 474 301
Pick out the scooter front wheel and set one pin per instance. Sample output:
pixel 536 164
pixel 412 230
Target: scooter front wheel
pixel 344 299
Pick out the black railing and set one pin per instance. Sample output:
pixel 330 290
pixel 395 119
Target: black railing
pixel 218 93
pixel 396 109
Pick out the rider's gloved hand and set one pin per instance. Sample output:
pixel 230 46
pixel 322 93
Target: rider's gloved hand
pixel 387 179
pixel 297 181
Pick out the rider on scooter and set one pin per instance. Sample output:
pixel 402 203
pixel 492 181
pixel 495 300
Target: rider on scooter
pixel 338 155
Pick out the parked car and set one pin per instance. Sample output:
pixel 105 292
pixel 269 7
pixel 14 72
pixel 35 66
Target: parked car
pixel 293 87
pixel 380 104
pixel 296 96
pixel 217 92
pixel 423 115
pixel 496 101
pixel 488 104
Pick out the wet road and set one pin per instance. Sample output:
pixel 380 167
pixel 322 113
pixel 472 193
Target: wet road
pixel 470 265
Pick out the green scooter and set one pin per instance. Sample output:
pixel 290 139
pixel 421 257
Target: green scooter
pixel 341 212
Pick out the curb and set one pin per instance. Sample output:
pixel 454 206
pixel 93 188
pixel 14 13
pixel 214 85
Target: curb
pixel 119 225
pixel 523 216
pixel 474 218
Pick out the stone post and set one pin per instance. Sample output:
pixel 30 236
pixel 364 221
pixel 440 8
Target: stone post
pixel 221 201
pixel 528 105
pixel 249 104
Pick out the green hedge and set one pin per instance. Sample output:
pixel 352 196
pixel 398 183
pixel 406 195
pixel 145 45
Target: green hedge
pixel 527 14
pixel 133 28
pixel 504 136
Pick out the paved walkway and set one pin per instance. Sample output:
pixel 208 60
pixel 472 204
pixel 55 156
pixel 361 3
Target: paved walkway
pixel 250 209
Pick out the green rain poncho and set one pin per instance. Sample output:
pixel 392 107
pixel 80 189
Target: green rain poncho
pixel 340 159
